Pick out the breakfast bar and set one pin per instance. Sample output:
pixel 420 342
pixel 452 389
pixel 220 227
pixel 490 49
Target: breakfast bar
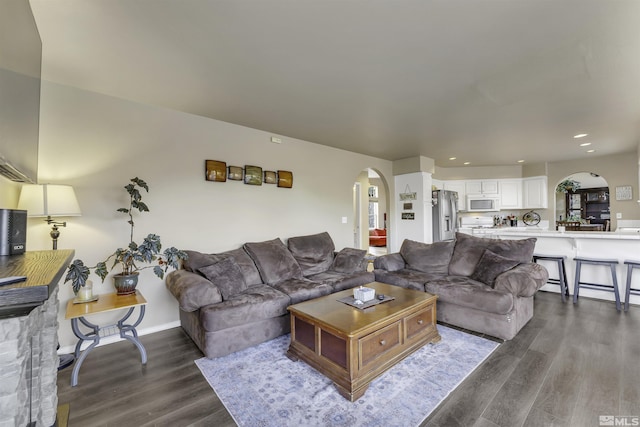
pixel 588 244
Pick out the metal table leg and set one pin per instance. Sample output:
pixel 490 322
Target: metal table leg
pixel 126 331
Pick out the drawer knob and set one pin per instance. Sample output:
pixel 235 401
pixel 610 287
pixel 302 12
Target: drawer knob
pixel 382 342
pixel 420 322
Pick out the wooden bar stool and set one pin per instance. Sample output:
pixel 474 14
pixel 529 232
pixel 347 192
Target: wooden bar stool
pixel 562 272
pixel 597 286
pixel 630 266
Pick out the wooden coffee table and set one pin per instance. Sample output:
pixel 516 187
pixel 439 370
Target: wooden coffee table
pixel 352 346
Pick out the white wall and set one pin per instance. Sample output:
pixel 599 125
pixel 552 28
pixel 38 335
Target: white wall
pixel 97 143
pixel 9 193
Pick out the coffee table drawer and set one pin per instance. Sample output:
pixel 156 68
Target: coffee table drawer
pixel 378 343
pixel 420 323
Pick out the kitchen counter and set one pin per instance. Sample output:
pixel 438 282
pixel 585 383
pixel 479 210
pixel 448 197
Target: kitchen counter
pixel 591 244
pixel 532 232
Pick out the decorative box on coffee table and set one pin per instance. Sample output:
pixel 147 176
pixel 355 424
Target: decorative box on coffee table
pixel 353 346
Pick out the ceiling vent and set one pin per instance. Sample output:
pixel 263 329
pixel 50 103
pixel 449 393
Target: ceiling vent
pixel 8 171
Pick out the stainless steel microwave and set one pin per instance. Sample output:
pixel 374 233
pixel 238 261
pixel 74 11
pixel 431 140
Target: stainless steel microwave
pixel 481 203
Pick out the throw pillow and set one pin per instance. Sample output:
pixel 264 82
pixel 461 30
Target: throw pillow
pixel 348 260
pixel 427 257
pixel 490 266
pixel 274 261
pixel 226 275
pixel 314 253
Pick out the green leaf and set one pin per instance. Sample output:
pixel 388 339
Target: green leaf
pixel 77 274
pixel 101 270
pixel 140 183
pixel 158 271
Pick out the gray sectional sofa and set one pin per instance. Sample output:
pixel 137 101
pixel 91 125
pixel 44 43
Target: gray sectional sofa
pixel 484 285
pixel 236 299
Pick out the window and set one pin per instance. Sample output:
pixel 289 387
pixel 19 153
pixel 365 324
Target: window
pixel 373 215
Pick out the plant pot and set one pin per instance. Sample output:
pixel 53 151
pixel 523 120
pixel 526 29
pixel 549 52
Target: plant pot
pixel 125 284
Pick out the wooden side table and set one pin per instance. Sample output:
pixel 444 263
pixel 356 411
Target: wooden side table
pixel 106 302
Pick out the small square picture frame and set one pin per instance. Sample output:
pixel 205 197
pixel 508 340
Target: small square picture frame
pixel 252 175
pixel 215 170
pixel 235 173
pixel 270 177
pixel 285 179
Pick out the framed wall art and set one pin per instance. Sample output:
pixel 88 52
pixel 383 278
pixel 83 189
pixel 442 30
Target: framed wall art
pixel 235 173
pixel 270 177
pixel 624 192
pixel 215 170
pixel 253 175
pixel 285 179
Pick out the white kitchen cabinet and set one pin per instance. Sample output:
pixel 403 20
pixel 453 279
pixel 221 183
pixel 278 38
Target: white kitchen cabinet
pixel 436 184
pixel 458 187
pixel 482 187
pixel 510 193
pixel 534 192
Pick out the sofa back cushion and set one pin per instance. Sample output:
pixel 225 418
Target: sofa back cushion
pixel 250 272
pixel 469 249
pixel 274 261
pixel 314 253
pixel 427 257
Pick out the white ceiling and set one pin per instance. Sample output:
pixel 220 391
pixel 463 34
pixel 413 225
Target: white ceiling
pixel 486 81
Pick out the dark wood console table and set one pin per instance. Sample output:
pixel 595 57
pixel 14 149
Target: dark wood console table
pixel 43 269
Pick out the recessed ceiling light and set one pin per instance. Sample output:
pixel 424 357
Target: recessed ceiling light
pixel 467 163
pixel 452 158
pixel 580 135
pixel 520 161
pixel 591 151
pixel 585 144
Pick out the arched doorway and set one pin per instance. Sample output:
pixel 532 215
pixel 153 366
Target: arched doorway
pixel 371 212
pixel 583 197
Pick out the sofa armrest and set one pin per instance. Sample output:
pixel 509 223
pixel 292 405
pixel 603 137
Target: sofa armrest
pixel 192 290
pixel 523 280
pixel 389 262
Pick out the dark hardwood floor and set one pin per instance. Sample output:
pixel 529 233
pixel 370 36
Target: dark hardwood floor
pixel 570 364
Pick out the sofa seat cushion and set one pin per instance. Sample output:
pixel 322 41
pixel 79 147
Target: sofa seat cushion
pixel 465 292
pixel 406 278
pixel 300 290
pixel 197 260
pixel 274 261
pixel 341 281
pixel 255 303
pixel 469 249
pixel 314 253
pixel 427 257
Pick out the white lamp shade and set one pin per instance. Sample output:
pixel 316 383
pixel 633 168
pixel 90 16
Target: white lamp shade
pixel 41 200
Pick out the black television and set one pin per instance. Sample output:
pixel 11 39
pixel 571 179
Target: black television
pixel 20 68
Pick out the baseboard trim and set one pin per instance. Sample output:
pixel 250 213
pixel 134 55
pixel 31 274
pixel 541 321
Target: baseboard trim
pixel 115 338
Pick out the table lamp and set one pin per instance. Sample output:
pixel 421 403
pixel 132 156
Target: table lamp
pixel 50 201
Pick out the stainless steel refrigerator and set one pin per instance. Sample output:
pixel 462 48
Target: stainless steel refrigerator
pixel 445 215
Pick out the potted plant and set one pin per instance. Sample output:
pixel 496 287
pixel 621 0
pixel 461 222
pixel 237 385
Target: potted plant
pixel 130 258
pixel 568 185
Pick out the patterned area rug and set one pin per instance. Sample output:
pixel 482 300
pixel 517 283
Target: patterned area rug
pixel 260 386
